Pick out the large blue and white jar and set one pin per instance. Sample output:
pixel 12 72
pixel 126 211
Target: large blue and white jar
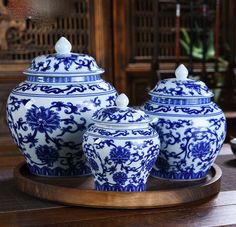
pixel 121 148
pixel 191 127
pixel 50 111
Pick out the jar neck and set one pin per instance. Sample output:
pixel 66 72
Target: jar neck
pixel 182 102
pixel 62 79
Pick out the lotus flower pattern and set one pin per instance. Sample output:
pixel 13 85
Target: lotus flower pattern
pixel 201 149
pixel 47 154
pixel 120 178
pixel 42 119
pixel 119 155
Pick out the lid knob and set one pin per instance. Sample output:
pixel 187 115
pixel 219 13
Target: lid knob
pixel 122 101
pixel 63 46
pixel 181 72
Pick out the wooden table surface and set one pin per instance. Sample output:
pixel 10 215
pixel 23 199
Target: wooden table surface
pixel 217 211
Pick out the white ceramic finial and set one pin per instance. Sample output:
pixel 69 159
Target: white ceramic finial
pixel 122 101
pixel 181 72
pixel 63 46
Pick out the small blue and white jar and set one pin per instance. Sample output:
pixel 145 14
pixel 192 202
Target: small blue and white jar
pixel 49 112
pixel 191 127
pixel 121 148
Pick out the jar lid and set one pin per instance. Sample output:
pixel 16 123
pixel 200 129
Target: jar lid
pixel 63 62
pixel 120 114
pixel 181 87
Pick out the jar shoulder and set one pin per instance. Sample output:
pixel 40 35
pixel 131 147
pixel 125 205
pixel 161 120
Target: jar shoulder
pixel 121 133
pixel 202 110
pixel 66 89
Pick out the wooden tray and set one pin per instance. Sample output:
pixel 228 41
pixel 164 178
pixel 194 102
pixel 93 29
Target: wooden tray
pixel 80 191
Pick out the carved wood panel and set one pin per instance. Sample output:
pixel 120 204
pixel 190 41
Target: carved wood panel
pixel 31 39
pixel 143 15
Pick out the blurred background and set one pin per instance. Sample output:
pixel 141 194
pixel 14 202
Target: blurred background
pixel 137 42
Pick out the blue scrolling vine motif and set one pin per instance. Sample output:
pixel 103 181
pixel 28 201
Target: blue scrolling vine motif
pixel 65 90
pixel 189 110
pixel 47 154
pixel 183 88
pixel 171 91
pixel 123 167
pixel 40 66
pixel 188 151
pixel 122 133
pixel 149 107
pixel 198 110
pixel 118 115
pixel 46 122
pixel 193 86
pixel 15 103
pixel 55 61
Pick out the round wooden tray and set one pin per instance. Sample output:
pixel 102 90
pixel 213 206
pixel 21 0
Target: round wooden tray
pixel 80 191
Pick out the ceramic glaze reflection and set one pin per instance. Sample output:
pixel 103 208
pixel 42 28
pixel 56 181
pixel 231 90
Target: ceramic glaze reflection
pixel 50 111
pixel 191 127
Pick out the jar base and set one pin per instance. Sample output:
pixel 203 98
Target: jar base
pixel 58 171
pixel 173 176
pixel 119 188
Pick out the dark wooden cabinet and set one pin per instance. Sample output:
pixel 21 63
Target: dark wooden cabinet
pixel 145 42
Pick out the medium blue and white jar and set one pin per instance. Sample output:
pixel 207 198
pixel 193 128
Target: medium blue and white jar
pixel 191 127
pixel 121 148
pixel 49 112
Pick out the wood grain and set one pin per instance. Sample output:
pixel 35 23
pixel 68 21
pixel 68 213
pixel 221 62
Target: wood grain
pixel 80 191
pixel 216 212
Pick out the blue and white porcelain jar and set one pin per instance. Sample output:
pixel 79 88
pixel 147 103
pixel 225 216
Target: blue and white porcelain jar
pixel 191 127
pixel 49 112
pixel 121 147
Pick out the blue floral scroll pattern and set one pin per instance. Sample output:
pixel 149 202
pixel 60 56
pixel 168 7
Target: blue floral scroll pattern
pixel 40 66
pixel 53 123
pixel 118 115
pixel 183 88
pixel 47 154
pixel 42 119
pixel 120 167
pixel 122 133
pixel 201 110
pixel 70 89
pixel 187 152
pixel 54 62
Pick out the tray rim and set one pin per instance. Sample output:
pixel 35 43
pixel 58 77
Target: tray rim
pixel 118 200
